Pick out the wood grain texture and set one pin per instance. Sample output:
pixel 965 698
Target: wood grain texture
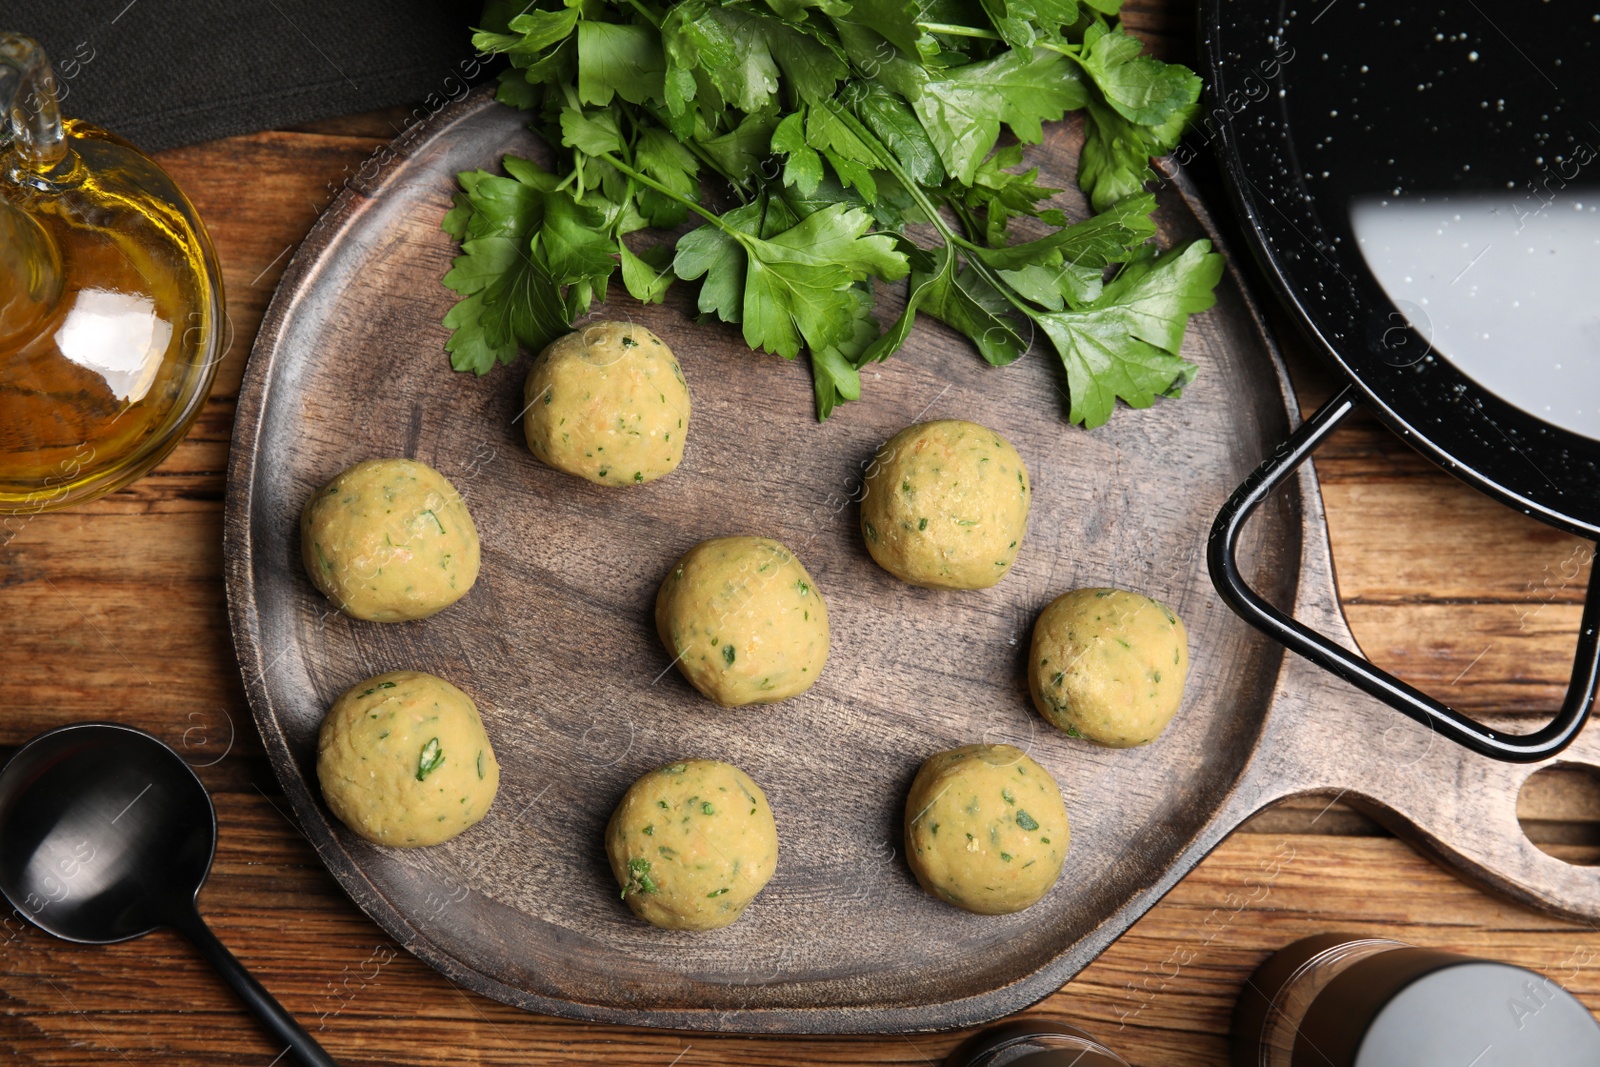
pixel 115 610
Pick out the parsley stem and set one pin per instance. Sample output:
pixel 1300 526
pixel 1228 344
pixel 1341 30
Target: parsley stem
pixel 892 165
pixel 649 182
pixel 647 13
pixel 693 146
pixel 1072 51
pixel 887 160
pixel 959 31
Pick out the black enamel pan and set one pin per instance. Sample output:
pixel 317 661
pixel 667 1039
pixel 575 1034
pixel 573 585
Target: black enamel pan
pixel 1420 184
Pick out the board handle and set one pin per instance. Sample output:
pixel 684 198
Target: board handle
pixel 1222 557
pixel 1326 737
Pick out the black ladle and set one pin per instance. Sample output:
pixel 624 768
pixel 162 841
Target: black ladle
pixel 107 834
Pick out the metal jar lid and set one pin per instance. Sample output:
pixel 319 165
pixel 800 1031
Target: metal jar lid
pixel 1032 1043
pixel 1415 1007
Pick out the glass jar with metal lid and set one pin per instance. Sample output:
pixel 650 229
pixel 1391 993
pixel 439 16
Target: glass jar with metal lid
pixel 1338 1000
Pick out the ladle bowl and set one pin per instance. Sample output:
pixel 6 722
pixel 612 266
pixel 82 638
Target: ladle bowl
pixel 106 834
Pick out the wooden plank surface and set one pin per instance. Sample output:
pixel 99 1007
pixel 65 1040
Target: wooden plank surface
pixel 114 610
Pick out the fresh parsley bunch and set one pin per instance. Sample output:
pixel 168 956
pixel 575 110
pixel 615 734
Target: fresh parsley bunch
pixel 835 125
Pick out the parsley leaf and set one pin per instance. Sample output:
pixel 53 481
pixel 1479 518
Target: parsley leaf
pixel 1141 88
pixel 897 126
pixel 592 132
pixel 1095 242
pixel 827 130
pixel 968 302
pixel 660 155
pixel 803 168
pixel 573 240
pixel 962 112
pixel 796 285
pixel 616 59
pixel 508 294
pixel 1115 161
pixel 1125 344
pixel 1021 22
pixel 647 276
pixel 837 236
pixel 835 368
pixel 717 254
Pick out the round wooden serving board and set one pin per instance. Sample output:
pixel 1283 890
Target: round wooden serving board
pixel 557 645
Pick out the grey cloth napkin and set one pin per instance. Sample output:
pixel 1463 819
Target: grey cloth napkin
pixel 170 72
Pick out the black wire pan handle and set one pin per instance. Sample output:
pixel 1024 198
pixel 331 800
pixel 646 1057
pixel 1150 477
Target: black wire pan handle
pixel 1222 557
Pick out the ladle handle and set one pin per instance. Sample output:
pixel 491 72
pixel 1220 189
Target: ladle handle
pixel 252 992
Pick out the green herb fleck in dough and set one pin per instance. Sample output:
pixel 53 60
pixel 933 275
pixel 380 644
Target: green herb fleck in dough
pixel 706 808
pixel 639 880
pixel 604 471
pixel 430 760
pixel 1007 796
pixel 716 892
pixel 922 524
pixel 661 804
pixel 1026 821
pixel 435 519
pixel 649 831
pixel 872 533
pixel 638 477
pixel 480 764
pixel 800 584
pixel 629 342
pixel 727 654
pixel 1006 856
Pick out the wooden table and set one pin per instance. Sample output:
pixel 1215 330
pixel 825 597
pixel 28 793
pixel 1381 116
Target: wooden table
pixel 115 611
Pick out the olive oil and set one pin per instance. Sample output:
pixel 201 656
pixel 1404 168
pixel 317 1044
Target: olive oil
pixel 110 308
